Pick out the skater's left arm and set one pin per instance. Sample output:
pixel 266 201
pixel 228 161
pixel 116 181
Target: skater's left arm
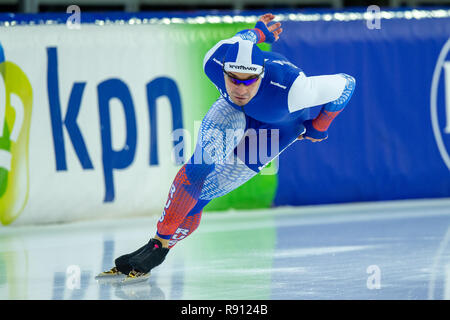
pixel 332 91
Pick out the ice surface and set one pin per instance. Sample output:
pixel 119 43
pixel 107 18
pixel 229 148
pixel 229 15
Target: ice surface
pixel 394 250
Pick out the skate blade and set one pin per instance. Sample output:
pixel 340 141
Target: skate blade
pixel 110 274
pixel 110 280
pixel 135 278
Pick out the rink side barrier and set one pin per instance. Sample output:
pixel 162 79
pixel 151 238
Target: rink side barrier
pixel 91 113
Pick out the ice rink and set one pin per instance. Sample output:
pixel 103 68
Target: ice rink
pixel 390 250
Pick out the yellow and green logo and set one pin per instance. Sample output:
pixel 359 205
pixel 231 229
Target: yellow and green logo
pixel 16 99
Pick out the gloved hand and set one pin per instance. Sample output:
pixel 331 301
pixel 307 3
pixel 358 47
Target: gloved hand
pixel 311 133
pixel 271 33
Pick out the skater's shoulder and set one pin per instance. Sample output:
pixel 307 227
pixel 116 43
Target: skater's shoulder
pixel 280 75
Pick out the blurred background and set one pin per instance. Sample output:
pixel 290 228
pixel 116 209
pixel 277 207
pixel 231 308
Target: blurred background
pixel 34 6
pixel 104 85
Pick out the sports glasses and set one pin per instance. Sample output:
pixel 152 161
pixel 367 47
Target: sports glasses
pixel 246 82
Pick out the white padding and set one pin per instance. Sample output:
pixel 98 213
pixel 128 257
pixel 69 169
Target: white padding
pixel 308 92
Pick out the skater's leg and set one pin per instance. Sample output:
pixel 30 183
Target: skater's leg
pixel 182 198
pixel 189 224
pixel 217 180
pixel 202 182
pixel 155 253
pixel 227 176
pixel 221 130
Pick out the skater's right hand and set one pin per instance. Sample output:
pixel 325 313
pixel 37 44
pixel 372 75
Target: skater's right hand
pixel 312 133
pixel 302 137
pixel 272 33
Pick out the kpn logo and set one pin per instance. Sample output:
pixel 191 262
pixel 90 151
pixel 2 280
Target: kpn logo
pixel 15 118
pixel 440 103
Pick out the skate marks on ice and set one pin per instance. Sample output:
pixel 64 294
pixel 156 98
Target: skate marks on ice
pixel 441 261
pixel 61 261
pixel 401 252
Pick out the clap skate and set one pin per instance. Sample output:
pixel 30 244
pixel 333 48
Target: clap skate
pixel 135 276
pixel 135 267
pixel 121 269
pixel 110 276
pixel 113 272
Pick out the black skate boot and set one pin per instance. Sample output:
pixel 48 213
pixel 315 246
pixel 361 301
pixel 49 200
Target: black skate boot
pixel 151 256
pixel 122 266
pixel 123 262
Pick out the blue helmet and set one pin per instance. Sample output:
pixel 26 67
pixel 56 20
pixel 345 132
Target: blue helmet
pixel 244 56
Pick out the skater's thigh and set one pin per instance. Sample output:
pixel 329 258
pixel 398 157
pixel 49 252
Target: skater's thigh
pixel 262 142
pixel 221 130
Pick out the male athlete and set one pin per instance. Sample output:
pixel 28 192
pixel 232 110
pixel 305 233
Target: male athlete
pixel 262 93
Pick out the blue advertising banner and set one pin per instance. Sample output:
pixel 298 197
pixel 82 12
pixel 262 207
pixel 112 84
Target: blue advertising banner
pixel 391 141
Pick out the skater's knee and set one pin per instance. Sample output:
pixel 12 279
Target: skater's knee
pixel 197 169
